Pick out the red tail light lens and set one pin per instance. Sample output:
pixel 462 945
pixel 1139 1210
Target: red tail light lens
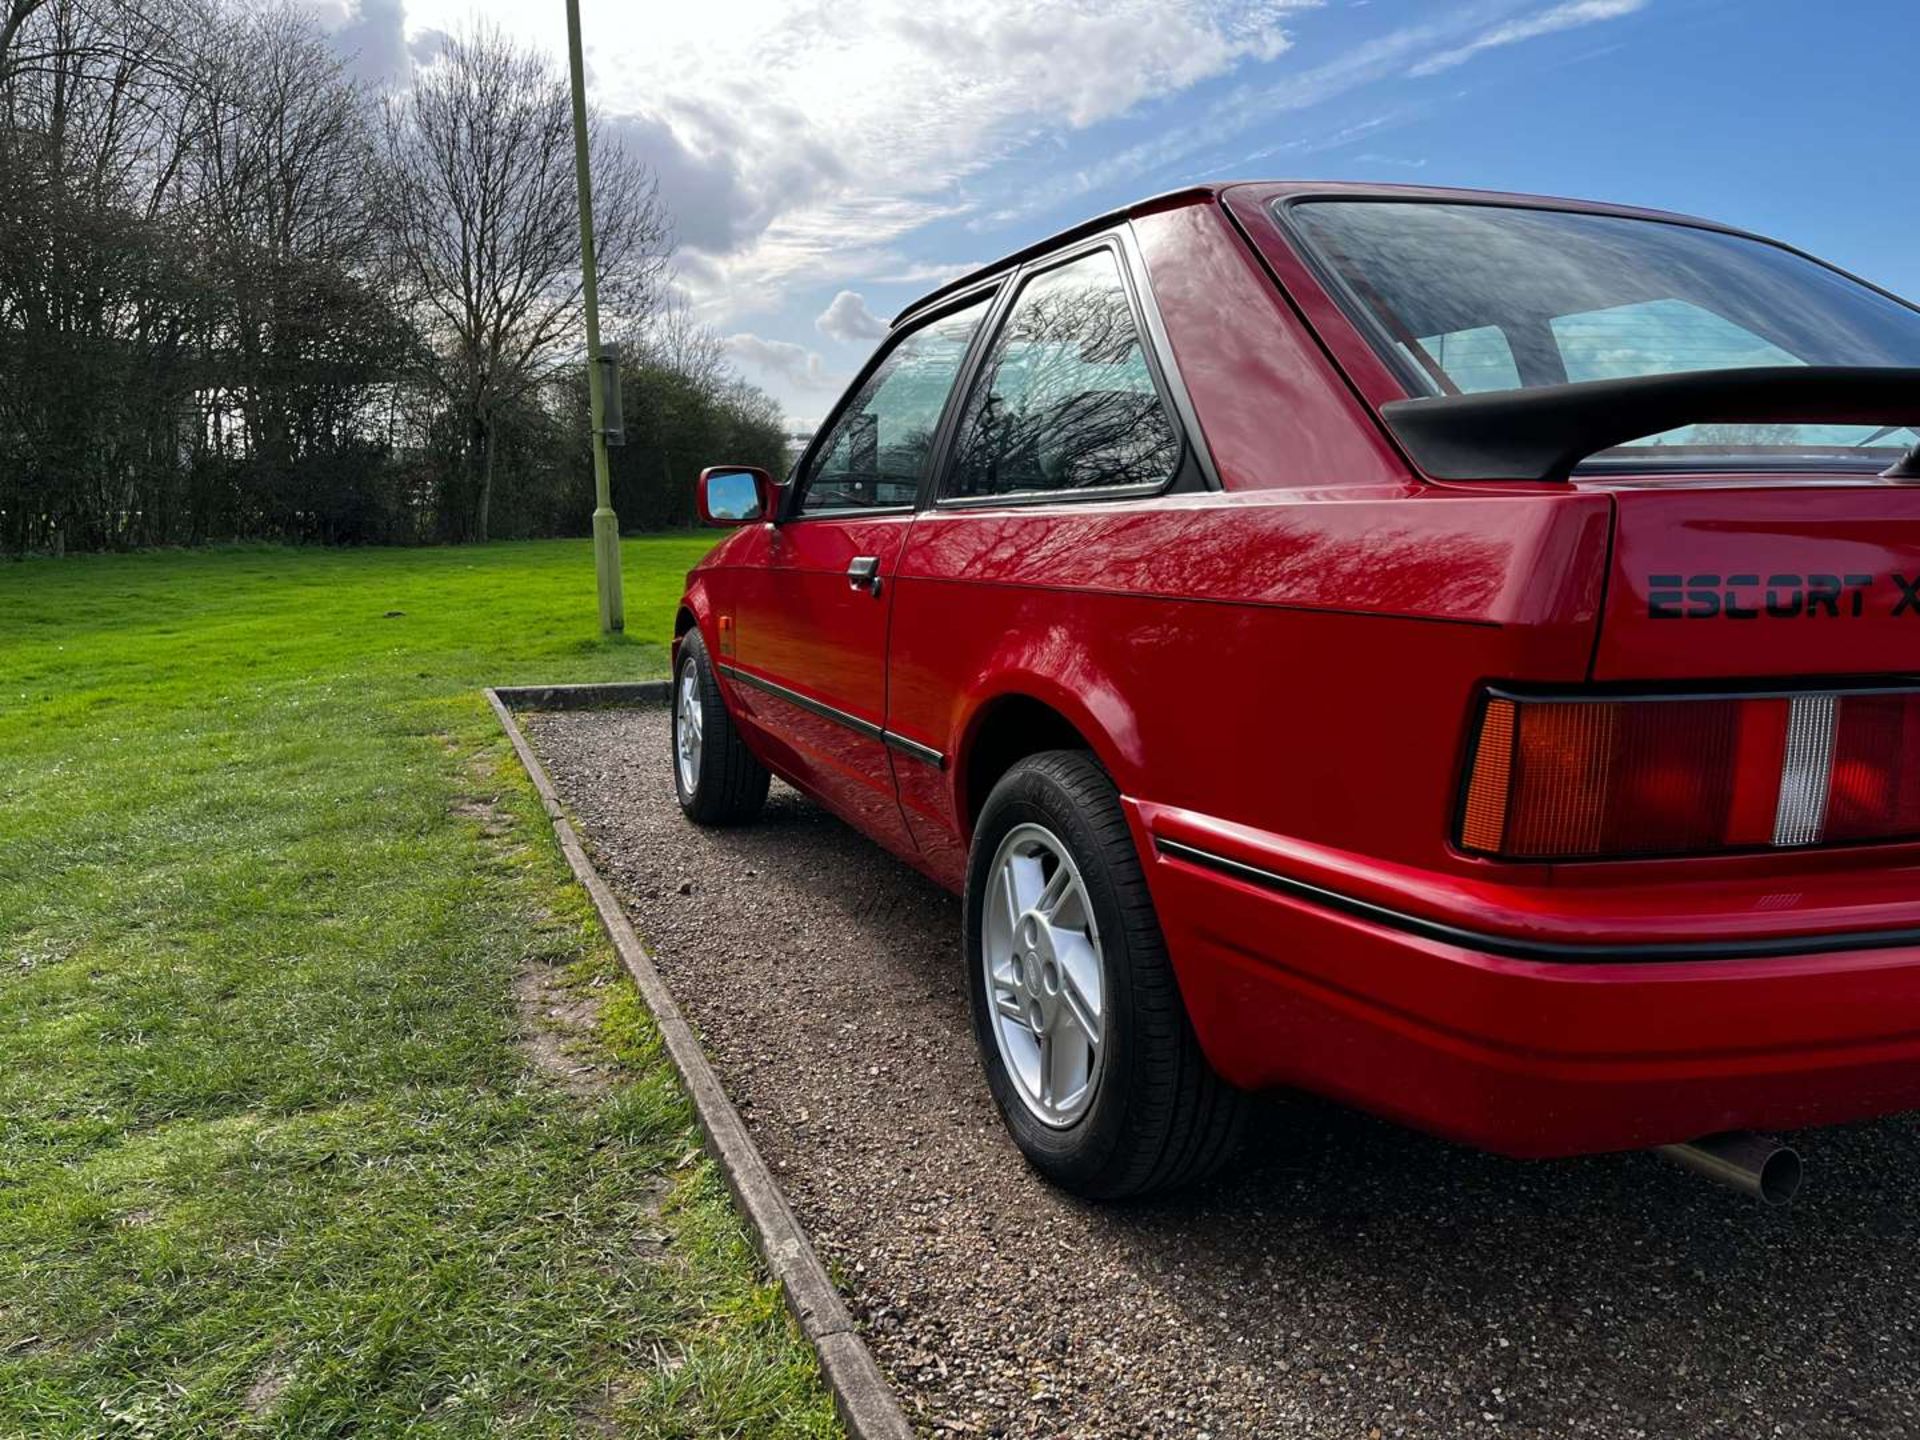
pixel 1875 787
pixel 1564 779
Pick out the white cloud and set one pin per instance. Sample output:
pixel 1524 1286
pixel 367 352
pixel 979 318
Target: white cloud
pixel 797 145
pixel 848 320
pixel 1266 109
pixel 1527 27
pixel 1175 156
pixel 797 142
pixel 782 360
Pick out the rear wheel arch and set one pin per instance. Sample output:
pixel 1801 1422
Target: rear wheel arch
pixel 1005 731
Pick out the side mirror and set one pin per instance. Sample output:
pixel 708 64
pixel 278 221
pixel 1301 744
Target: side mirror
pixel 736 495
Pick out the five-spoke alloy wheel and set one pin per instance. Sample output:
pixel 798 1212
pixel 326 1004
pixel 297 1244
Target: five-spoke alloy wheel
pixel 1086 1044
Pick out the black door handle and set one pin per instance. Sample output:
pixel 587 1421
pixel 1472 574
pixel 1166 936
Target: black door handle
pixel 863 573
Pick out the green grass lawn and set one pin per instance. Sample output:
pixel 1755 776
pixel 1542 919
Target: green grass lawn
pixel 276 1155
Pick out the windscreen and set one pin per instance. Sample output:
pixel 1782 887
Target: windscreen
pixel 1490 297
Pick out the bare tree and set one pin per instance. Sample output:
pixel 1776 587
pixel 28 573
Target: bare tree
pixel 486 231
pixel 284 142
pixel 99 299
pixel 44 36
pixel 219 319
pixel 670 336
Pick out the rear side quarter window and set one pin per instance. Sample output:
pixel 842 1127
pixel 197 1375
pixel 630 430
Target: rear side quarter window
pixel 1066 402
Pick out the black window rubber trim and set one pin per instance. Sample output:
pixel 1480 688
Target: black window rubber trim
pixel 926 754
pixel 1562 952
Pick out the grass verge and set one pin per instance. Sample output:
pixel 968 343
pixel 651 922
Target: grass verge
pixel 326 1110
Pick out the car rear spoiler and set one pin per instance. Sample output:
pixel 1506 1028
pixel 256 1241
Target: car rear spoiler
pixel 1542 433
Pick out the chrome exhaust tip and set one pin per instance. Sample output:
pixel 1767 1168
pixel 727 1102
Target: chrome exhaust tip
pixel 1758 1166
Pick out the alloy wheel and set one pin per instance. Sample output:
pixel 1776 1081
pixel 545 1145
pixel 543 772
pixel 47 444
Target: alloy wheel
pixel 1044 975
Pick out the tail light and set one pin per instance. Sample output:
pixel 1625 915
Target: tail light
pixel 1575 778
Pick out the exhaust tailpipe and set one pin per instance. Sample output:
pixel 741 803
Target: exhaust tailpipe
pixel 1755 1165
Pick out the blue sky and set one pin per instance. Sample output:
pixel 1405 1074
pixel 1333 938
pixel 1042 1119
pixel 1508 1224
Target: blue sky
pixel 826 163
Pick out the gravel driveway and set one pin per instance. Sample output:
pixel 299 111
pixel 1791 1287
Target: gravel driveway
pixel 1347 1278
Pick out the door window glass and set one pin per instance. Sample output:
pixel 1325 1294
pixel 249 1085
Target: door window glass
pixel 1066 401
pixel 877 450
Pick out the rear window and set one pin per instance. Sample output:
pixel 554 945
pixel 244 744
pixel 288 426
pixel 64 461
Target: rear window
pixel 1465 298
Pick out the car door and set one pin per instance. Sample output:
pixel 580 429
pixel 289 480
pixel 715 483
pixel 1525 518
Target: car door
pixel 810 639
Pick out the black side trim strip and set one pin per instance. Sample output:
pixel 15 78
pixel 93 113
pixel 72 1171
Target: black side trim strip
pixel 1565 952
pixel 925 753
pixel 806 702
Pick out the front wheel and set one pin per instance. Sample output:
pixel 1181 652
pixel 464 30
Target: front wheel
pixel 717 778
pixel 1085 1040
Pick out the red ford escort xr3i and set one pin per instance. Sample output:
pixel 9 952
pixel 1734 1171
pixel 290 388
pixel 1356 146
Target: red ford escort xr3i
pixel 1454 653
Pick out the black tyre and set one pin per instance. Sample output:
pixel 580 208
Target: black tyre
pixel 717 778
pixel 1086 1043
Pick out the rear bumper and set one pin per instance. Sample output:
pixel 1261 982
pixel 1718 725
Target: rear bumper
pixel 1524 1056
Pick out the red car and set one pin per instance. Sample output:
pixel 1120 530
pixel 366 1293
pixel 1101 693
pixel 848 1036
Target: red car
pixel 1454 653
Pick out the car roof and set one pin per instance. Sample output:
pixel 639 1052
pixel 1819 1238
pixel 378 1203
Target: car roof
pixel 1260 191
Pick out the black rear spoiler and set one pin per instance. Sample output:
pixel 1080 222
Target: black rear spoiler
pixel 1542 433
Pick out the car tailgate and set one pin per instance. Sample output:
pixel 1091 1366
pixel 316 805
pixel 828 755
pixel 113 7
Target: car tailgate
pixel 1773 578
